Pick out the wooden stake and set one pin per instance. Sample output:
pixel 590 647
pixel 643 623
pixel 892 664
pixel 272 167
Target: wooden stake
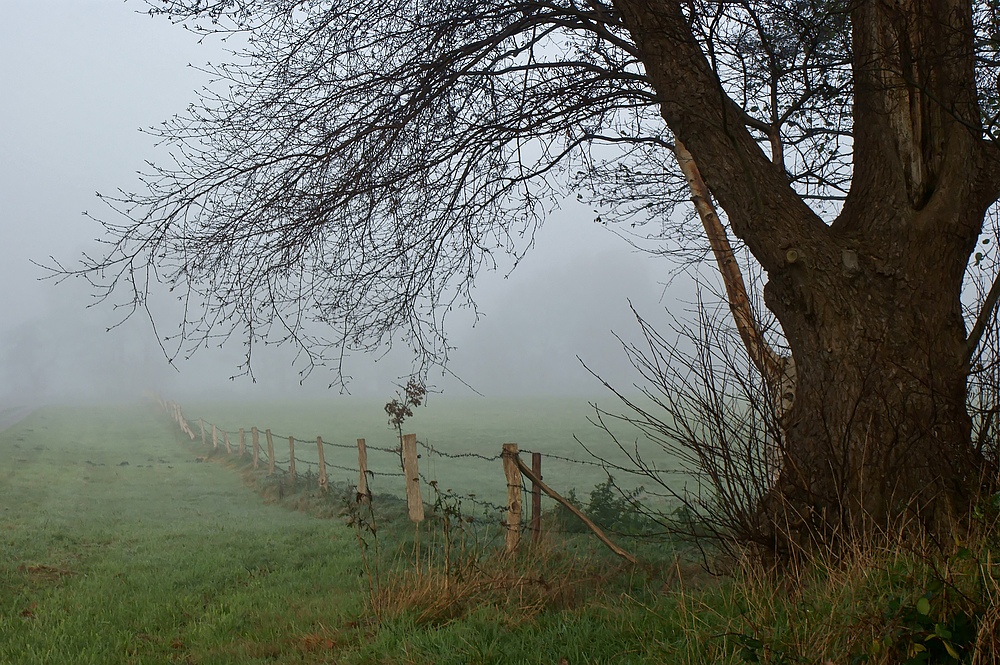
pixel 256 446
pixel 202 423
pixel 229 448
pixel 513 474
pixel 576 511
pixel 536 499
pixel 270 452
pixel 364 493
pixel 243 442
pixel 215 438
pixel 322 465
pixel 414 501
pixel 184 423
pixel 291 457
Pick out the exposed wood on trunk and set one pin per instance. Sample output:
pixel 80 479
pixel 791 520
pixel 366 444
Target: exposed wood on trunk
pixel 763 208
pixel 770 363
pixel 778 371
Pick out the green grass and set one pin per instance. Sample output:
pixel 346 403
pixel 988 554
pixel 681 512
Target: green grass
pixel 119 547
pixel 121 543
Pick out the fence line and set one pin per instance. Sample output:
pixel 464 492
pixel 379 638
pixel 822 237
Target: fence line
pixel 513 468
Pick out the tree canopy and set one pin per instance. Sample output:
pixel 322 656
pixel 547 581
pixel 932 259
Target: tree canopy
pixel 358 164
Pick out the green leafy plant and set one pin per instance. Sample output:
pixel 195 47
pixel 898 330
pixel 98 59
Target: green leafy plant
pixel 619 510
pixel 401 407
pixel 931 629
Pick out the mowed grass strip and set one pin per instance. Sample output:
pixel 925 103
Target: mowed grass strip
pixel 117 545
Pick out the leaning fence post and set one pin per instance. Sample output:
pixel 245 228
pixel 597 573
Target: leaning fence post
pixel 256 445
pixel 291 458
pixel 322 464
pixel 363 493
pixel 536 498
pixel 414 501
pixel 270 452
pixel 229 447
pixel 576 511
pixel 243 442
pixel 185 427
pixel 513 474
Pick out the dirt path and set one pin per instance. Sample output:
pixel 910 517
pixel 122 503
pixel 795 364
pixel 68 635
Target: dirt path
pixel 12 415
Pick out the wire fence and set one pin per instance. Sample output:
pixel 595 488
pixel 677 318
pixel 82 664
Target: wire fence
pixel 402 470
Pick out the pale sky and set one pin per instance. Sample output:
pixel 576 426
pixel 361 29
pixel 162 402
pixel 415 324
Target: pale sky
pixel 78 80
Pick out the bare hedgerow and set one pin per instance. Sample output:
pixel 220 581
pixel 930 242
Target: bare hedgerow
pixel 702 408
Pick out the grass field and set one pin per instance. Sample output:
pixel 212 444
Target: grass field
pixel 122 543
pixel 118 546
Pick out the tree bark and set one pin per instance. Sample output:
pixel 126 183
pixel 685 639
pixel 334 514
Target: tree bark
pixel 878 437
pixel 764 358
pixel 879 430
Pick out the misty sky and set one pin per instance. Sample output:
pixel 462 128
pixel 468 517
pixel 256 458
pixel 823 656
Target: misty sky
pixel 79 78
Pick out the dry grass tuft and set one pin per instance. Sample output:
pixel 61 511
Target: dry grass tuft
pixel 536 580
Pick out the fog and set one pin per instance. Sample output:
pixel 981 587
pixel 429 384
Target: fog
pixel 80 77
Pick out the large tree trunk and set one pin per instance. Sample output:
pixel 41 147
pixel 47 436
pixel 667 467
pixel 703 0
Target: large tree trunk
pixel 879 435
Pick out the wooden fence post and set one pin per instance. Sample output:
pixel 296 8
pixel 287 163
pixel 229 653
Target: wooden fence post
pixel 215 438
pixel 229 447
pixel 291 457
pixel 243 442
pixel 201 422
pixel 364 494
pixel 513 474
pixel 536 499
pixel 185 427
pixel 256 445
pixel 270 452
pixel 322 465
pixel 414 502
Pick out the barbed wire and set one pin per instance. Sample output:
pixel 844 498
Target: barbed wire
pixel 491 512
pixel 471 498
pixel 526 451
pixel 440 453
pixel 447 502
